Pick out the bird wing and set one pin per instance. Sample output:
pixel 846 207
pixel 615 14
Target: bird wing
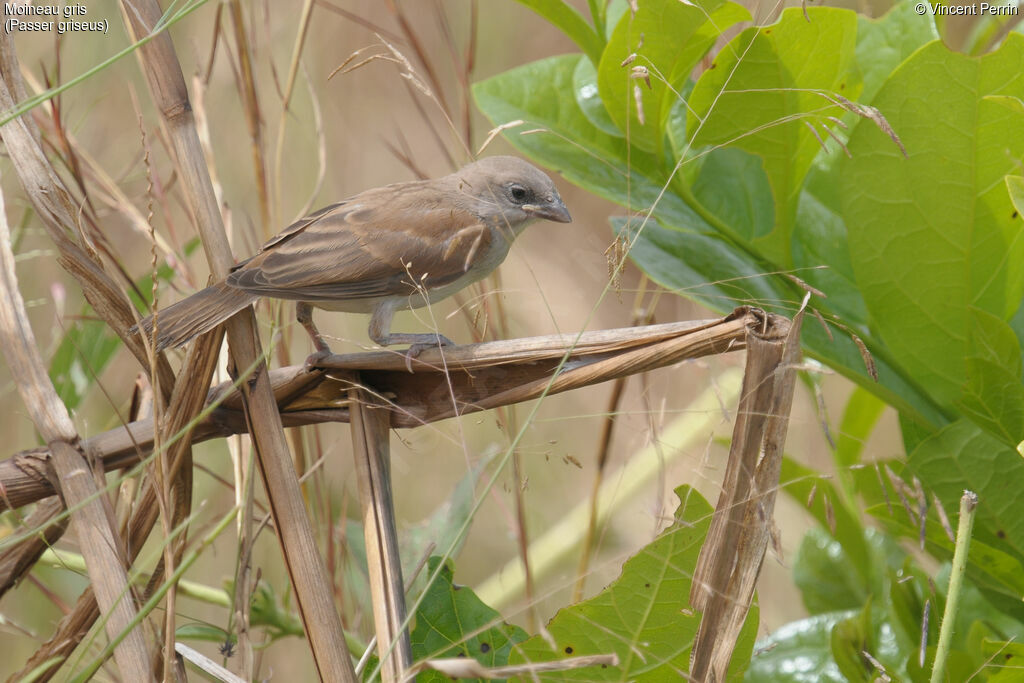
pixel 372 245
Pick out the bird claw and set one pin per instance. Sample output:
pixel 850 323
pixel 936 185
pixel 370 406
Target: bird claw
pixel 314 359
pixel 416 349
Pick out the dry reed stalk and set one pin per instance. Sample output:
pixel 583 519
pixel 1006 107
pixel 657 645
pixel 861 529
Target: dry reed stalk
pixel 294 532
pixel 185 401
pixel 516 370
pixel 42 528
pixel 743 523
pixel 92 516
pixel 372 455
pixel 174 480
pixel 58 212
pixel 253 118
pixel 286 98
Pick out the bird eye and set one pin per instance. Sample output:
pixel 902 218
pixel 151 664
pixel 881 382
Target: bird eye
pixel 518 193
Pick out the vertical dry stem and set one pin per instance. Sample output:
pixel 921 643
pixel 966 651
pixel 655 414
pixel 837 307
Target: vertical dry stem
pixel 370 448
pixel 91 514
pixel 743 524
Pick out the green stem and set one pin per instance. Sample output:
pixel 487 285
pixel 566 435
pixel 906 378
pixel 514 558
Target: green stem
pixel 597 13
pixel 968 506
pixel 191 589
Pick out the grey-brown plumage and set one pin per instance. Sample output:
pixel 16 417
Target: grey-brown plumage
pixel 386 249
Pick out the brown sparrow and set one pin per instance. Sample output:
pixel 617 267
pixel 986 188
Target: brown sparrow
pixel 390 248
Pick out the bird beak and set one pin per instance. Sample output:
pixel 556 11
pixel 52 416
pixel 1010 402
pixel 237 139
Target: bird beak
pixel 553 210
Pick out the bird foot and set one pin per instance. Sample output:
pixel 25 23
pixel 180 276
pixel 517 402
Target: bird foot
pixel 419 347
pixel 314 359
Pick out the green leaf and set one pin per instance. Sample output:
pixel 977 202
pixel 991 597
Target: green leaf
pixel 960 457
pixel 993 395
pixel 452 622
pixel 821 257
pixel 997 572
pixel 667 37
pixel 798 652
pixel 826 576
pixel 571 23
pixel 584 88
pixel 732 185
pixel 1004 660
pixel 84 351
pixel 934 234
pixel 761 93
pixel 859 419
pixel 706 268
pixel 691 258
pixel 644 615
pixel 850 638
pixel 809 488
pixel 883 43
pixel 697 265
pixel 542 95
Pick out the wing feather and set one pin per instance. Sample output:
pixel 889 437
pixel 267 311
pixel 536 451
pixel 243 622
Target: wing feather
pixel 372 245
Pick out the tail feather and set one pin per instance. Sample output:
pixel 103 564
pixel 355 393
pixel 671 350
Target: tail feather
pixel 195 315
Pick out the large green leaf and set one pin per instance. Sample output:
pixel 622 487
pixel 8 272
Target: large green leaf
pixel 934 235
pixel 821 257
pixel 565 17
pixel 666 37
pixel 798 652
pixel 644 615
pixel 962 456
pixel 761 93
pixel 827 506
pixel 691 257
pixel 1004 660
pixel 453 622
pixel 697 265
pixel 732 185
pixel 706 268
pixel 883 43
pixel 998 573
pixel 993 395
pixel 826 574
pixel 557 133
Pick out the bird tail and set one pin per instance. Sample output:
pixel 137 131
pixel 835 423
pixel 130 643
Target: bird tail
pixel 195 315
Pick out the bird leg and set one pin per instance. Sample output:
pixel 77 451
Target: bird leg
pixel 380 332
pixel 304 314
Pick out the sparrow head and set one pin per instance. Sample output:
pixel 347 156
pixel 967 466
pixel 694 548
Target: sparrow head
pixel 512 191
